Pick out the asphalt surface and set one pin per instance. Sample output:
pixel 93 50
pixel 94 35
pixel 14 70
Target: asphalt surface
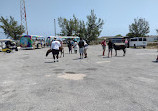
pixel 29 81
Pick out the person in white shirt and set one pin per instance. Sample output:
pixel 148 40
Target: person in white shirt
pixel 55 48
pixel 85 49
pixel 75 46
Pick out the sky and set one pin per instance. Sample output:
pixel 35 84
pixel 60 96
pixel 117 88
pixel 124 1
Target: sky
pixel 117 14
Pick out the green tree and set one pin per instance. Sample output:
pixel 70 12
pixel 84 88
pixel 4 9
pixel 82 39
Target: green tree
pixel 68 27
pixel 119 35
pixel 139 28
pixel 63 22
pixel 94 26
pixel 75 27
pixel 130 35
pixel 82 31
pixel 11 28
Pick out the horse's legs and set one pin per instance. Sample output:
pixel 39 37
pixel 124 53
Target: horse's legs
pixel 63 52
pixel 115 52
pixel 124 50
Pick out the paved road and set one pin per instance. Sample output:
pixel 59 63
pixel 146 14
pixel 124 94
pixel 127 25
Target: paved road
pixel 29 81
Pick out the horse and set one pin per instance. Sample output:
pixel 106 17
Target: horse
pixel 120 46
pixel 61 50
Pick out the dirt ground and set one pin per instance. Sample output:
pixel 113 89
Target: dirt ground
pixel 29 81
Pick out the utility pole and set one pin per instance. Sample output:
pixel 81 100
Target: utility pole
pixel 55 27
pixel 23 15
pixel 157 39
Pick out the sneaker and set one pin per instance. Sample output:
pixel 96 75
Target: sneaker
pixel 57 60
pixel 54 60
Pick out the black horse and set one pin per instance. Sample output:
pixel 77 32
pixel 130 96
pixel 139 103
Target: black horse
pixel 120 46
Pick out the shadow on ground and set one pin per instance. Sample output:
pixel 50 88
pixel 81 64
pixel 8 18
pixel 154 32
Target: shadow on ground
pixel 155 61
pixel 49 62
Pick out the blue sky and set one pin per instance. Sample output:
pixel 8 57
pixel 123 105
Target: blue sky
pixel 117 14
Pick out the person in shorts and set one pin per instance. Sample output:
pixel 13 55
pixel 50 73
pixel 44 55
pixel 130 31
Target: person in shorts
pixel 55 48
pixel 103 43
pixel 70 46
pixel 110 46
pixel 75 46
pixel 81 48
pixel 85 49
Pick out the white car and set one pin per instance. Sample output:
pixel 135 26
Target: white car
pixel 138 42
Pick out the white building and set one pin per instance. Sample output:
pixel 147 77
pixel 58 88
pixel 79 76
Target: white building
pixel 152 38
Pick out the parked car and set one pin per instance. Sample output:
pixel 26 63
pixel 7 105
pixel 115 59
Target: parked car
pixel 138 42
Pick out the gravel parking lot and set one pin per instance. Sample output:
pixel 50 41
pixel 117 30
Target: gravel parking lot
pixel 29 81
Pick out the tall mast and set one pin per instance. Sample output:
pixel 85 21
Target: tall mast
pixel 23 15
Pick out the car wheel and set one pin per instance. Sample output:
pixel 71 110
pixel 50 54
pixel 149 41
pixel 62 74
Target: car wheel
pixel 8 51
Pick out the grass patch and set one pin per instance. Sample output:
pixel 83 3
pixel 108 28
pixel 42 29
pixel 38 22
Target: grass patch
pixel 153 45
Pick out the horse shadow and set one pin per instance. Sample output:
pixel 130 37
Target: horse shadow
pixel 49 62
pixel 105 57
pixel 77 59
pixel 118 56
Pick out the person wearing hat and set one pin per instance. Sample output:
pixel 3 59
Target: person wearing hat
pixel 103 43
pixel 55 48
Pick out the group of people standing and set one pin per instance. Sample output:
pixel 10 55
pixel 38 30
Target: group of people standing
pixel 82 46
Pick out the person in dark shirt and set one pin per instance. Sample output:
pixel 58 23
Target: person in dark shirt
pixel 110 46
pixel 81 48
pixel 70 47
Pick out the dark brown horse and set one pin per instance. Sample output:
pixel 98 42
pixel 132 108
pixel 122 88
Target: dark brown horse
pixel 61 50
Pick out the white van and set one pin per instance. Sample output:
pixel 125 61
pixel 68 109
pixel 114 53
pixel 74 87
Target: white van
pixel 138 42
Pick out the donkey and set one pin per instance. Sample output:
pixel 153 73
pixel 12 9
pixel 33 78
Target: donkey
pixel 120 46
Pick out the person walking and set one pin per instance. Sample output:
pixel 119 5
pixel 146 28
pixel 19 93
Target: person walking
pixel 55 49
pixel 110 46
pixel 85 49
pixel 81 48
pixel 126 43
pixel 70 46
pixel 103 43
pixel 75 46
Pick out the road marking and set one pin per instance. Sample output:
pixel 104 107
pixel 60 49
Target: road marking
pixel 99 62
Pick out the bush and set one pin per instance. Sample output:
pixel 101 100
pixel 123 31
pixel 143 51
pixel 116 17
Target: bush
pixel 152 45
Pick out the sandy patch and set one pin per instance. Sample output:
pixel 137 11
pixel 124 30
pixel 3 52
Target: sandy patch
pixel 72 76
pixel 47 75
